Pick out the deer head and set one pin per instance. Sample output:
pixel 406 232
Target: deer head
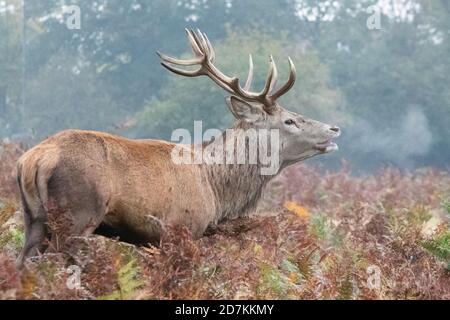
pixel 300 137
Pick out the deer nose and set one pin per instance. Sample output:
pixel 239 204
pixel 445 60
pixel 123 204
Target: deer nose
pixel 335 129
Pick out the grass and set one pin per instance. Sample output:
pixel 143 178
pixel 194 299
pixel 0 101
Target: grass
pixel 320 235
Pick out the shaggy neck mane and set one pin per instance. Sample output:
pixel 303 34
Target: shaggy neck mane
pixel 237 187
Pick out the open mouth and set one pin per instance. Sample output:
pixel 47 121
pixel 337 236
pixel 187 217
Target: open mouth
pixel 327 146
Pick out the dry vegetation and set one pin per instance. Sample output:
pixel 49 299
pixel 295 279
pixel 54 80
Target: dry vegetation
pixel 319 235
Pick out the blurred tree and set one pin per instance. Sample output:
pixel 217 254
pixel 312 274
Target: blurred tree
pixel 10 65
pixel 118 38
pixel 77 99
pixel 387 74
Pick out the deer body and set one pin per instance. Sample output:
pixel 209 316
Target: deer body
pixel 129 186
pixel 133 189
pixel 125 182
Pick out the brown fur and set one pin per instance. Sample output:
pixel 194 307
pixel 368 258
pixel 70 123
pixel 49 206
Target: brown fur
pixel 127 187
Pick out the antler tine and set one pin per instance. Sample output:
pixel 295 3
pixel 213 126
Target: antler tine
pixel 249 81
pixel 196 73
pixel 193 42
pixel 275 75
pixel 210 48
pixel 181 72
pixel 202 41
pixel 204 55
pixel 271 77
pixel 187 62
pixel 289 83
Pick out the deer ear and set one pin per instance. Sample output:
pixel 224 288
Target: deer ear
pixel 243 110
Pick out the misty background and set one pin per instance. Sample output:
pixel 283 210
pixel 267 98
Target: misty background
pixel 388 88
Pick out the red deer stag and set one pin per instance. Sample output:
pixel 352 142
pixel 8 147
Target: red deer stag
pixel 133 188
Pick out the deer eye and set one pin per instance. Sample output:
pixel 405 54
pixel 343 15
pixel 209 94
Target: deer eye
pixel 289 122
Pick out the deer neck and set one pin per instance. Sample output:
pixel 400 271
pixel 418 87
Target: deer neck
pixel 236 187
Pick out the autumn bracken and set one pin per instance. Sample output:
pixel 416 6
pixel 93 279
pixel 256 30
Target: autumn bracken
pixel 320 235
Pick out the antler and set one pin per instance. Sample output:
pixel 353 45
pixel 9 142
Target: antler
pixel 204 57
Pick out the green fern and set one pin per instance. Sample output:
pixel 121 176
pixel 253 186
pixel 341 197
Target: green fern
pixel 127 282
pixel 318 226
pixel 273 280
pixel 346 289
pixel 14 239
pixel 18 237
pixel 289 266
pixel 446 205
pixel 440 247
